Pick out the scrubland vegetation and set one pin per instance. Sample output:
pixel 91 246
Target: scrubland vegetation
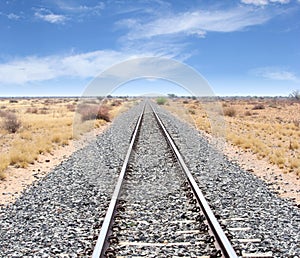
pixel 30 127
pixel 269 128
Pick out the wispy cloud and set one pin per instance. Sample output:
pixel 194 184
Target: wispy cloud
pixel 275 73
pixel 11 16
pixel 197 22
pixel 46 15
pixel 264 2
pixel 255 2
pixel 85 65
pixel 80 9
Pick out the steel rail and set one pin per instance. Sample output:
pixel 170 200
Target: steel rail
pixel 225 245
pixel 101 244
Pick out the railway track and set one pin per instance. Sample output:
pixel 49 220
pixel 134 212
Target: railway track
pixel 156 216
pixel 157 208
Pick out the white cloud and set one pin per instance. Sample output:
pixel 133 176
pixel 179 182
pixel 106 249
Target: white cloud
pixel 275 73
pixel 196 23
pixel 48 16
pixel 264 2
pixel 86 65
pixel 13 16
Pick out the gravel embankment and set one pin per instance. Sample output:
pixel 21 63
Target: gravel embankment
pixel 236 194
pixel 60 215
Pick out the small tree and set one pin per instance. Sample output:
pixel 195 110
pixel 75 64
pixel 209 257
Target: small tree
pixel 172 95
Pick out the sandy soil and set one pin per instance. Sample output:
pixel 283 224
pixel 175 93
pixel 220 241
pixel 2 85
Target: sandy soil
pixel 19 178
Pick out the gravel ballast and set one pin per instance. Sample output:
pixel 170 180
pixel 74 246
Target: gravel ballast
pixel 240 199
pixel 60 215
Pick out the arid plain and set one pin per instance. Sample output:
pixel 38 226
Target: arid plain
pixel 262 135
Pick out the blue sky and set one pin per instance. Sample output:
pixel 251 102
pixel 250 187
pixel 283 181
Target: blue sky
pixel 57 47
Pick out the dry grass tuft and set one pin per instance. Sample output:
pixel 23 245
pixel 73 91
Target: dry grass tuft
pixel 3 165
pixel 258 107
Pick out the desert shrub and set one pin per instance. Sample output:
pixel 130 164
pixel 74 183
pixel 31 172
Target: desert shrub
pixel 11 123
pixel 191 111
pixel 296 122
pixel 161 101
pixel 273 105
pixel 71 107
pixel 2 113
pixel 116 103
pixel 44 110
pixel 90 112
pixel 32 110
pixel 103 113
pixel 224 105
pixel 87 112
pixel 47 102
pixel 258 107
pixel 13 101
pixel 293 145
pixel 230 111
pixel 248 113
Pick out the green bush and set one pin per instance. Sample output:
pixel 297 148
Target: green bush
pixel 161 101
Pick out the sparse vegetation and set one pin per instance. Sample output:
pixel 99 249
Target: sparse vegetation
pixel 37 126
pixel 272 133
